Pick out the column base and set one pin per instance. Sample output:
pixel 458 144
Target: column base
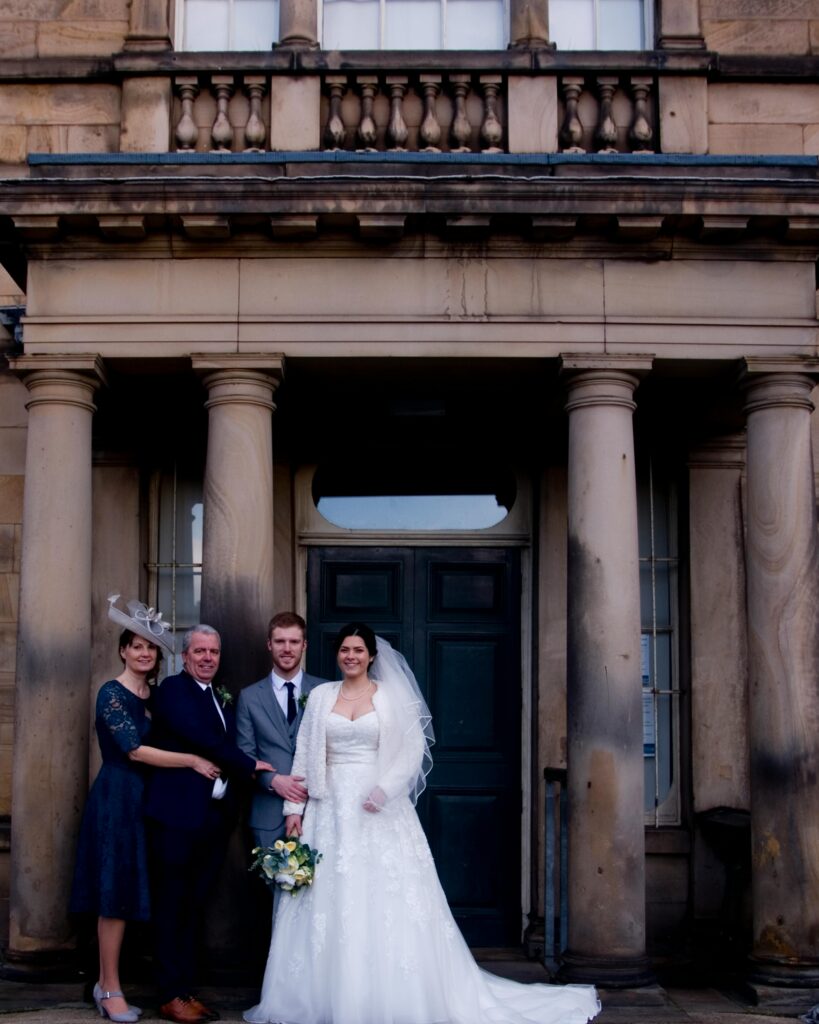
pixel 45 965
pixel 606 972
pixel 766 972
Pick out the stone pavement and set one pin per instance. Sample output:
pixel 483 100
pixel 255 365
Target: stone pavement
pixel 62 1003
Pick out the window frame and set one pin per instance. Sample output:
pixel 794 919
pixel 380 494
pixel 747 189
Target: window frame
pixel 382 7
pixel 648 29
pixel 179 29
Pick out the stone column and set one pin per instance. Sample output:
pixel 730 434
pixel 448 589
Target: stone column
pixel 53 655
pixel 237 572
pixel 529 23
pixel 783 632
pixel 298 24
pixel 606 941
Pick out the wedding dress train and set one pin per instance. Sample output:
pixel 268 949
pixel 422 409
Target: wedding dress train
pixel 373 940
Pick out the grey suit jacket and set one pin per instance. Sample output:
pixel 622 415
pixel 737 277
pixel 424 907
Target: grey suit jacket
pixel 262 732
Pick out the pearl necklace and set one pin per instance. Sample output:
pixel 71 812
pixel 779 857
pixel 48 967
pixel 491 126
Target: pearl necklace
pixel 343 696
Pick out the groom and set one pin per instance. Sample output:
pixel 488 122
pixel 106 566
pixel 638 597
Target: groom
pixel 268 717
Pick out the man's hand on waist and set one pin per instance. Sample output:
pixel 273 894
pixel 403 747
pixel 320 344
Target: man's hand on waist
pixel 289 787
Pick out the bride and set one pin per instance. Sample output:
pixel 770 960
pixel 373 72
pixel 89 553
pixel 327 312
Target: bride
pixel 373 941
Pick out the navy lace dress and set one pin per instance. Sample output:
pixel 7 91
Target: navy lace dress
pixel 111 873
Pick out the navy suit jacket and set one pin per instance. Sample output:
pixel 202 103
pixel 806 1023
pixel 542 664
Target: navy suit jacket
pixel 185 720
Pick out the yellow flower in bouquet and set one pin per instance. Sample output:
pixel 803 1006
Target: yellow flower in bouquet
pixel 289 864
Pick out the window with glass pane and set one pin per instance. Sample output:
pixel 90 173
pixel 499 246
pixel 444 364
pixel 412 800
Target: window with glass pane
pixel 176 563
pixel 414 24
pixel 658 592
pixel 229 24
pixel 601 24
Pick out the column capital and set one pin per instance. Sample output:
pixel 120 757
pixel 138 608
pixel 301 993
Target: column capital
pixel 778 382
pixel 602 380
pixel 240 379
pixel 61 379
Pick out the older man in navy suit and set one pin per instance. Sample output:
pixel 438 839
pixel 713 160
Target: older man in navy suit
pixel 190 817
pixel 267 722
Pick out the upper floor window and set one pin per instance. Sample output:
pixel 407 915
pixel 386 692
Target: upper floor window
pixel 414 24
pixel 601 24
pixel 227 24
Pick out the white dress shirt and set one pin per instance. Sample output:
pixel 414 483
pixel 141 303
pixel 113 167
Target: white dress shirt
pixel 280 689
pixel 219 785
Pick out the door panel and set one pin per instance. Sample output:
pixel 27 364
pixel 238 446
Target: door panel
pixel 454 613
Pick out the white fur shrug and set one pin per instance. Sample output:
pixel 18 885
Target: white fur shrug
pixel 400 745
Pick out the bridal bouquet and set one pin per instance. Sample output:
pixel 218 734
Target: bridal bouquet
pixel 288 863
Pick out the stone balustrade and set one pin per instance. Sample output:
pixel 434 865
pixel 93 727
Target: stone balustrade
pixel 607 113
pixel 392 111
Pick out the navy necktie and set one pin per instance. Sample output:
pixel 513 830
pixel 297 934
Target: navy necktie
pixel 291 703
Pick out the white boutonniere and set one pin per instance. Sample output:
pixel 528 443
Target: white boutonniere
pixel 224 695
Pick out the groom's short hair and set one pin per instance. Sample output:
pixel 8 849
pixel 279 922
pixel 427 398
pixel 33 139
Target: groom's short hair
pixel 284 620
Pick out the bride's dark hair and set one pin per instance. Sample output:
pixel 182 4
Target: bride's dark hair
pixel 356 629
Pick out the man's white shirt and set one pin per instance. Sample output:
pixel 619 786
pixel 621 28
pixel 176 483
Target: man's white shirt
pixel 280 689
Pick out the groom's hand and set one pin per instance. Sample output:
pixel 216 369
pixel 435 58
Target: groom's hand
pixel 289 787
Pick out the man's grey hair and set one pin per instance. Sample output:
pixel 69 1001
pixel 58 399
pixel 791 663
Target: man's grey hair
pixel 201 628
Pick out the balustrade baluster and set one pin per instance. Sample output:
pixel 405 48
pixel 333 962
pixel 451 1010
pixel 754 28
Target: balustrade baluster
pixel 606 133
pixel 571 131
pixel 367 131
pixel 430 130
pixel 461 130
pixel 397 131
pixel 222 132
pixel 491 129
pixel 641 133
pixel 335 133
pixel 255 133
pixel 186 133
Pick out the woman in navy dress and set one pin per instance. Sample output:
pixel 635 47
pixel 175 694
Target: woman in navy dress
pixel 111 874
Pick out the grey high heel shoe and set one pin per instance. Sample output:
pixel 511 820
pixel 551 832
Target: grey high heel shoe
pixel 131 1015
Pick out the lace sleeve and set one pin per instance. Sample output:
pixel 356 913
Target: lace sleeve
pixel 113 710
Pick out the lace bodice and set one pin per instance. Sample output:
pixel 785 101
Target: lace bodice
pixel 352 742
pixel 121 722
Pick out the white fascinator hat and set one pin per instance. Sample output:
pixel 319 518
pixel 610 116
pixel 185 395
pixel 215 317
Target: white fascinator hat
pixel 143 621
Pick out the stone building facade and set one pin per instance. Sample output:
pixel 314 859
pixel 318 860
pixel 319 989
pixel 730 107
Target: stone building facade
pixel 507 350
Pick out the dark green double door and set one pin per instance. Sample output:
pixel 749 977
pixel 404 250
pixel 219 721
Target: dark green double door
pixel 454 614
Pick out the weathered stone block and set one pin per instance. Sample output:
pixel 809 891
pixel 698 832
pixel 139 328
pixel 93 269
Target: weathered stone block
pixel 8 645
pixel 768 9
pixel 768 104
pixel 81 38
pixel 18 39
pixel 146 115
pixel 775 37
pixel 12 144
pixel 11 499
pixel 532 114
pixel 813 30
pixel 6 549
pixel 810 140
pixel 66 104
pixel 755 138
pixel 9 596
pixel 12 450
pixel 295 117
pixel 95 10
pixel 684 115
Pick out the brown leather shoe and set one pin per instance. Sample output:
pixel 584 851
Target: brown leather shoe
pixel 200 1006
pixel 183 1011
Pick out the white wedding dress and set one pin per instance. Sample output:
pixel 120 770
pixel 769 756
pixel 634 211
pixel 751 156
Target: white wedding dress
pixel 373 941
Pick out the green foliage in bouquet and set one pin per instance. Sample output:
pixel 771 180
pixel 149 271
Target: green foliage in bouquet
pixel 288 863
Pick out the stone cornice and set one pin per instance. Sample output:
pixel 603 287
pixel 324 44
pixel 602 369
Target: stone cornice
pixel 631 205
